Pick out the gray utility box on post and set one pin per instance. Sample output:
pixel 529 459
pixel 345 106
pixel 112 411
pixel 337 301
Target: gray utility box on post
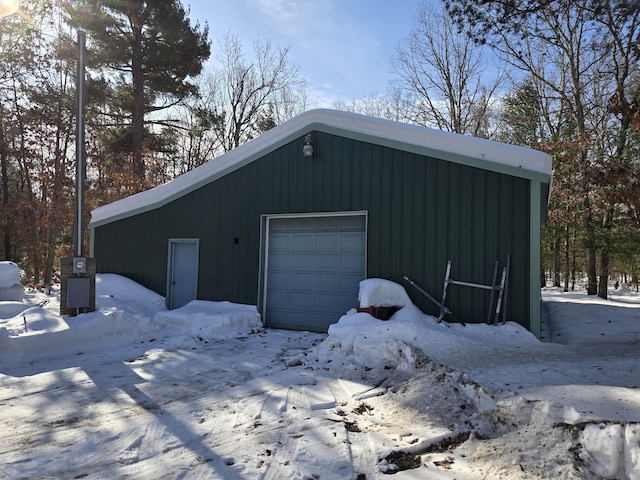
pixel 78 285
pixel 78 292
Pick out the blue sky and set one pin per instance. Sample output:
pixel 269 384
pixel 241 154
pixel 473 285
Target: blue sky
pixel 343 47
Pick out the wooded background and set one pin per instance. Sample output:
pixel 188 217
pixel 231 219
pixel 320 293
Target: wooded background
pixel 558 76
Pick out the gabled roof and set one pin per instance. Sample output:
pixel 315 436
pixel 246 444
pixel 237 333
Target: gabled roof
pixel 464 149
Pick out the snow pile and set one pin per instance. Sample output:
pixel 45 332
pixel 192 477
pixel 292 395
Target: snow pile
pixel 584 450
pixel 207 320
pixel 115 292
pixel 400 354
pixel 122 316
pixel 408 339
pixel 378 292
pixel 126 313
pixel 10 287
pixel 9 274
pixel 611 450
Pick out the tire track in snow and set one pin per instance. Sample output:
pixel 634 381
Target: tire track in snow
pixel 288 407
pixel 358 439
pixel 254 409
pixel 314 441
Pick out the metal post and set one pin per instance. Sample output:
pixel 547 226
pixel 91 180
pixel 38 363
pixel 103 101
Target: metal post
pixel 493 292
pixel 443 310
pixel 80 145
pixel 77 292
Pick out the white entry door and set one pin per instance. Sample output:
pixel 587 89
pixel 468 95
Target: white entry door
pixel 314 266
pixel 182 272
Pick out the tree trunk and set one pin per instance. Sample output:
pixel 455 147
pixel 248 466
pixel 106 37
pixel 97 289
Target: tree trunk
pixel 137 106
pixel 56 202
pixel 47 274
pixel 592 277
pixel 590 241
pixel 573 262
pixel 604 254
pixel 557 264
pixel 6 225
pixel 604 274
pixel 567 248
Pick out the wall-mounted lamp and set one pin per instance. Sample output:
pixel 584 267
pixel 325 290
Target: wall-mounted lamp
pixel 307 149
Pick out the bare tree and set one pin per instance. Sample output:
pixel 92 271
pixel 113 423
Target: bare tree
pixel 243 92
pixel 375 105
pixel 577 55
pixel 36 122
pixel 197 142
pixel 442 76
pixel 581 59
pixel 290 101
pixel 622 27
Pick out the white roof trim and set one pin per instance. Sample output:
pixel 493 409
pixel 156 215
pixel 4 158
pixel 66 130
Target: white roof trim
pixel 369 128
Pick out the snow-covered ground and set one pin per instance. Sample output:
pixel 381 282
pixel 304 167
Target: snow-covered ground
pixel 135 391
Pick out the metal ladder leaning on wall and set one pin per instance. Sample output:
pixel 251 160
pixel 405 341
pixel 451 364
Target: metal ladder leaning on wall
pixel 501 288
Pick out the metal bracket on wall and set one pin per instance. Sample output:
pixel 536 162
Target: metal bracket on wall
pixel 501 288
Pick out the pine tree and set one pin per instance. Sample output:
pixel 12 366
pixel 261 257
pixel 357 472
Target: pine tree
pixel 144 55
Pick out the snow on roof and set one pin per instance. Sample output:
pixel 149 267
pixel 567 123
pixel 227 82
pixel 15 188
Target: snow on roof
pixel 465 149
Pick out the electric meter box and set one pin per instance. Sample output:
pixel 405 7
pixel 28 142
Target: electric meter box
pixel 79 265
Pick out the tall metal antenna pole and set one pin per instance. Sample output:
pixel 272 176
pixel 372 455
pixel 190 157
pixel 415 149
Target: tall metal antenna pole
pixel 80 144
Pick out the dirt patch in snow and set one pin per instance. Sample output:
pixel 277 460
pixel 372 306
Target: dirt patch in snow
pixel 512 438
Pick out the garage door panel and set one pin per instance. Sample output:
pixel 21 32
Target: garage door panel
pixel 327 262
pixel 300 224
pixel 279 261
pixel 327 224
pixel 352 241
pixel 279 280
pixel 325 302
pixel 346 304
pixel 290 281
pixel 281 314
pixel 280 243
pixel 328 242
pixel 302 242
pixel 302 261
pixel 321 321
pixel 313 275
pixel 327 281
pixel 301 280
pixel 301 300
pixel 353 223
pixel 349 283
pixel 351 262
pixel 279 299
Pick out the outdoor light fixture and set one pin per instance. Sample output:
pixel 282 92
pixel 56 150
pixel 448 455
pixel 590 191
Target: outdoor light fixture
pixel 8 7
pixel 307 149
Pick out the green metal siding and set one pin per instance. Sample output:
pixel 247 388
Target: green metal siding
pixel 422 212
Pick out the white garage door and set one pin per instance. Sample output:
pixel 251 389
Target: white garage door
pixel 314 267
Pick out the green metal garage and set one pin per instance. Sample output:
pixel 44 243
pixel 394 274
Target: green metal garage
pixel 293 220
